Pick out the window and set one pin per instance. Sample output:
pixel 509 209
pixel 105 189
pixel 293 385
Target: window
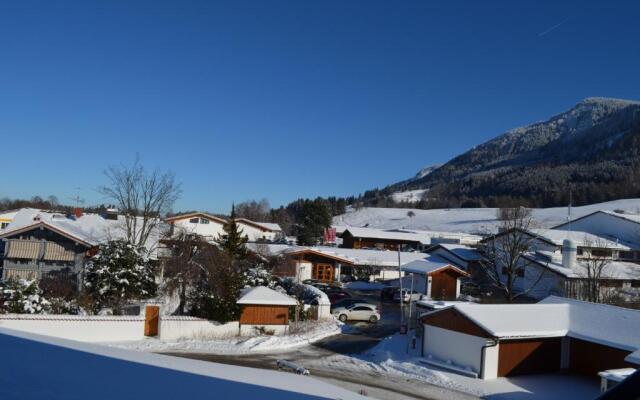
pixel 4 225
pixel 504 270
pixel 627 255
pixel 520 272
pixel 204 221
pixel 580 251
pixel 601 252
pixel 361 308
pixel 194 220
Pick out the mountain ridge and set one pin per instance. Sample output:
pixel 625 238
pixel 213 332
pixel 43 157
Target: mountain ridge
pixel 581 153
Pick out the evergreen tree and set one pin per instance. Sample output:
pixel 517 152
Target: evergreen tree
pixel 233 241
pixel 315 216
pixel 119 273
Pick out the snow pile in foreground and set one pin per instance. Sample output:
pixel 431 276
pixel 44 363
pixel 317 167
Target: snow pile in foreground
pixel 305 333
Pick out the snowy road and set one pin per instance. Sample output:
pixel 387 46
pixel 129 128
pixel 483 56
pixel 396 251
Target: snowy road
pixel 331 359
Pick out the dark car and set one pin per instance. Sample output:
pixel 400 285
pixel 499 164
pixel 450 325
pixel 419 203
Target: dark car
pixel 346 302
pixel 338 296
pixel 388 293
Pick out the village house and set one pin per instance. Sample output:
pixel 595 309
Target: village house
pixel 558 334
pixel 369 238
pixel 210 227
pixel 618 226
pixel 560 262
pixel 38 243
pixel 464 257
pixel 435 277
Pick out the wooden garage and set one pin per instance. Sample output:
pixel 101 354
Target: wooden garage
pixel 444 283
pixel 529 356
pixel 264 307
pixel 516 339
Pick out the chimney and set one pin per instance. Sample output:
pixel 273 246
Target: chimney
pixel 77 212
pixel 569 254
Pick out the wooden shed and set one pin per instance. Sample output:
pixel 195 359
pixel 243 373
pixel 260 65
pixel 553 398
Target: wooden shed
pixel 266 309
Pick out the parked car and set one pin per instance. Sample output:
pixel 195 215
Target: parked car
pixel 357 312
pixel 387 293
pixel 407 295
pixel 337 296
pixel 348 302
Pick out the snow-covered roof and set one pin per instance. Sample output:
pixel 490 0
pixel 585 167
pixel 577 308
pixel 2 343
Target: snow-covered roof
pixel 410 235
pixel 91 229
pixel 462 252
pixel 200 214
pixel 376 258
pixel 602 323
pixel 269 226
pixel 264 295
pixel 557 317
pixel 612 270
pixel 429 265
pixel 557 236
pixel 34 364
pixel 519 320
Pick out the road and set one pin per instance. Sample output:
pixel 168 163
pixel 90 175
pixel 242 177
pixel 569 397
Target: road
pixel 357 340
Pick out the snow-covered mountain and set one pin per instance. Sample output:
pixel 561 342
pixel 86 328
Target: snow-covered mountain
pixel 594 147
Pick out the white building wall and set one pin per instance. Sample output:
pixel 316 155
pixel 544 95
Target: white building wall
pixel 209 231
pixel 115 328
pixel 254 234
pixel 460 349
pixel 491 358
pixel 304 270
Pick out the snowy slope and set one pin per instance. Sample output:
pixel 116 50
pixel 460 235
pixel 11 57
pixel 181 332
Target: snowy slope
pixel 469 220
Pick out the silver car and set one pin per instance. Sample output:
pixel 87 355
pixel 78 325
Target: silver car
pixel 357 312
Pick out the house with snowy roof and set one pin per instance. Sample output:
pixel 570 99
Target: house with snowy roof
pixel 558 334
pixel 435 277
pixel 38 243
pixel 622 227
pixel 561 262
pixel 391 239
pixel 210 227
pixel 464 257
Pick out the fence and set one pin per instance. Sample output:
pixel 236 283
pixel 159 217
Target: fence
pixel 115 328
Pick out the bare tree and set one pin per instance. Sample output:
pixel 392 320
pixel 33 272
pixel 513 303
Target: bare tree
pixel 182 269
pixel 504 260
pixel 142 196
pixel 253 210
pixel 593 269
pixel 411 214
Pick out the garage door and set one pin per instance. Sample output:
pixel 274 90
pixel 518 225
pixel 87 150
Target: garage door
pixel 530 356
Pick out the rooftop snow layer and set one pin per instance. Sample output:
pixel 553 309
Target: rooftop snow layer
pixel 264 295
pixel 37 367
pixel 426 266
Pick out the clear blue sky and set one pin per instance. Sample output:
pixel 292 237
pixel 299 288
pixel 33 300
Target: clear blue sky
pixel 288 99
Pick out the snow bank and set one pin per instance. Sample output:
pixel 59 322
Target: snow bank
pixel 303 334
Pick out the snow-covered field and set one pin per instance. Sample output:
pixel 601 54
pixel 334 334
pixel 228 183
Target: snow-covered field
pixel 409 195
pixel 468 220
pixel 306 333
pixel 390 358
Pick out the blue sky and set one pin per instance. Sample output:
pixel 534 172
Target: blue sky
pixel 288 99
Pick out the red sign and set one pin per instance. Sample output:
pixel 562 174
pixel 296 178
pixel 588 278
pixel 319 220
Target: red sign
pixel 330 235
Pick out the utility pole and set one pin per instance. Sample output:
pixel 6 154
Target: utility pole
pixel 402 327
pixel 410 318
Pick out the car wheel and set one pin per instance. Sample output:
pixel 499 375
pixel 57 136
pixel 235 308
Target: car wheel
pixel 342 318
pixel 373 319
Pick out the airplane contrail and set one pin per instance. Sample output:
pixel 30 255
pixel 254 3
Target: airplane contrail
pixel 551 28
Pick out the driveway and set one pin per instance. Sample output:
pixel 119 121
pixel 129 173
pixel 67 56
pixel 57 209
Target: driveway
pixel 357 339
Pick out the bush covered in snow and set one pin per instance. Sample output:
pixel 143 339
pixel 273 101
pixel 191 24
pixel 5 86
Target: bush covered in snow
pixel 118 273
pixel 259 276
pixel 22 296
